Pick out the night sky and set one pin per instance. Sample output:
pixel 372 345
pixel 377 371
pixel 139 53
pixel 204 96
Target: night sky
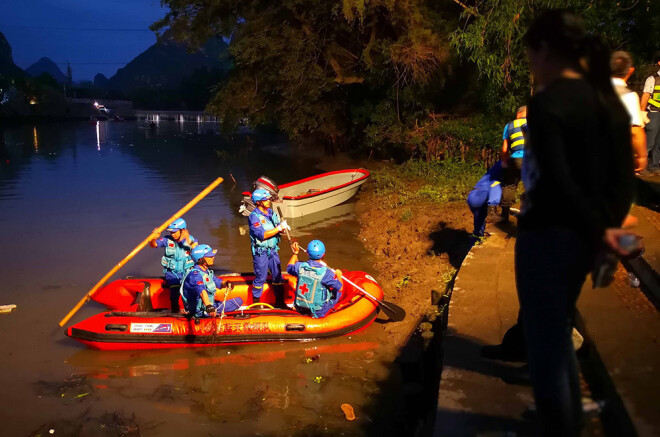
pixel 95 36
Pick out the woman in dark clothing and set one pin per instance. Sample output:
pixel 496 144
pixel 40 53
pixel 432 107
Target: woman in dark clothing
pixel 580 189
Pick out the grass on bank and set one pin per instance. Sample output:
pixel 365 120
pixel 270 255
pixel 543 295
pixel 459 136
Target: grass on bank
pixel 432 181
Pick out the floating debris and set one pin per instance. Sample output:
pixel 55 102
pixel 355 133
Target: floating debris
pixel 7 308
pixel 348 411
pixel 74 388
pixel 318 379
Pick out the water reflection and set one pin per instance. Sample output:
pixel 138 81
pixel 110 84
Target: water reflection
pixel 35 139
pixel 135 364
pixel 98 136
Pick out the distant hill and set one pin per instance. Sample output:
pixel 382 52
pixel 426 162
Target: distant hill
pixel 100 81
pixel 45 65
pixel 165 64
pixel 7 66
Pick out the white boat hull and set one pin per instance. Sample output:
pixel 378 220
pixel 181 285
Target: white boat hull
pixel 318 192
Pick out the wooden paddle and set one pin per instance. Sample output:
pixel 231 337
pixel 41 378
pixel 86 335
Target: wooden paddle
pixel 394 312
pixel 139 247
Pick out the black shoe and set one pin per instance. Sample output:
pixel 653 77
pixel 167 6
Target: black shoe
pixel 498 352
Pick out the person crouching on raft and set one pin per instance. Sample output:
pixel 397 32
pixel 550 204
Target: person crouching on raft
pixel 318 289
pixel 200 284
pixel 176 261
pixel 265 228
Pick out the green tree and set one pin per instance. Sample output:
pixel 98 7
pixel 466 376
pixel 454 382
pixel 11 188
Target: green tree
pixel 315 68
pixel 492 31
pixel 434 79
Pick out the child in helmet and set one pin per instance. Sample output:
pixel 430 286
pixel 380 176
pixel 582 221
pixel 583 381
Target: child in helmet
pixel 176 261
pixel 318 289
pixel 200 284
pixel 265 228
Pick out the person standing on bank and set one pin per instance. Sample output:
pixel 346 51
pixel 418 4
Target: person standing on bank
pixel 484 198
pixel 176 261
pixel 265 228
pixel 651 114
pixel 622 68
pixel 581 183
pixel 513 150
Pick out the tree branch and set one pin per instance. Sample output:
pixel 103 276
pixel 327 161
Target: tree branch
pixel 467 8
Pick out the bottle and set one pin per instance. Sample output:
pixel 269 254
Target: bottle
pixel 629 242
pixel 633 280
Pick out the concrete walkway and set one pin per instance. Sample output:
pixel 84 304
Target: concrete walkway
pixel 477 396
pixel 482 397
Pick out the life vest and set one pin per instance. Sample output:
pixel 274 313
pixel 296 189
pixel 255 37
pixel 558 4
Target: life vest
pixel 177 257
pixel 654 100
pixel 516 136
pixel 193 303
pixel 269 244
pixel 310 292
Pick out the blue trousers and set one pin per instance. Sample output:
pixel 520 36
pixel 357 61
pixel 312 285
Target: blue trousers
pixel 551 267
pixel 230 305
pixel 653 138
pixel 478 201
pixel 325 309
pixel 174 282
pixel 262 264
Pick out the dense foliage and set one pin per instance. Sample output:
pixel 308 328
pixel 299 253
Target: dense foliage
pixel 433 79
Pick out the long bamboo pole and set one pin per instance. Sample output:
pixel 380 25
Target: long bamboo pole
pixel 139 247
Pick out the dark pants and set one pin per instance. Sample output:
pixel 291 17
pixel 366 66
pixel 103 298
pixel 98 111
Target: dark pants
pixel 510 180
pixel 551 267
pixel 174 283
pixel 653 138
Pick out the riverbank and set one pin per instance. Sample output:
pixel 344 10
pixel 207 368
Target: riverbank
pixel 415 222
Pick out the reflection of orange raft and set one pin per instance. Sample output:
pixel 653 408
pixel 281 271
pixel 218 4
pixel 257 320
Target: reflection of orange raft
pixel 128 326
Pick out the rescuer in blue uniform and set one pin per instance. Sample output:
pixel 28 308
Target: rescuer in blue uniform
pixel 513 151
pixel 200 284
pixel 176 261
pixel 265 228
pixel 318 288
pixel 484 197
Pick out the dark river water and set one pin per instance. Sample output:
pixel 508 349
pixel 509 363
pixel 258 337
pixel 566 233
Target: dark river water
pixel 75 199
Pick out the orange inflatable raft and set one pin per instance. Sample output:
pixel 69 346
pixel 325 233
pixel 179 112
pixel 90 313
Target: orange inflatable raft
pixel 139 316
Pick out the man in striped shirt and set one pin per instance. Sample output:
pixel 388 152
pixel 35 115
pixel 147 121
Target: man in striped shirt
pixel 513 150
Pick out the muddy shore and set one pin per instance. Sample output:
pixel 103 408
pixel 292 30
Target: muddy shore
pixel 417 247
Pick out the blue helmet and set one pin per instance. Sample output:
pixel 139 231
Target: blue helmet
pixel 260 194
pixel 177 225
pixel 316 249
pixel 201 251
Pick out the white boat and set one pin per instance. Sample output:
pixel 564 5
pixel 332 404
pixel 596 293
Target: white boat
pixel 312 194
